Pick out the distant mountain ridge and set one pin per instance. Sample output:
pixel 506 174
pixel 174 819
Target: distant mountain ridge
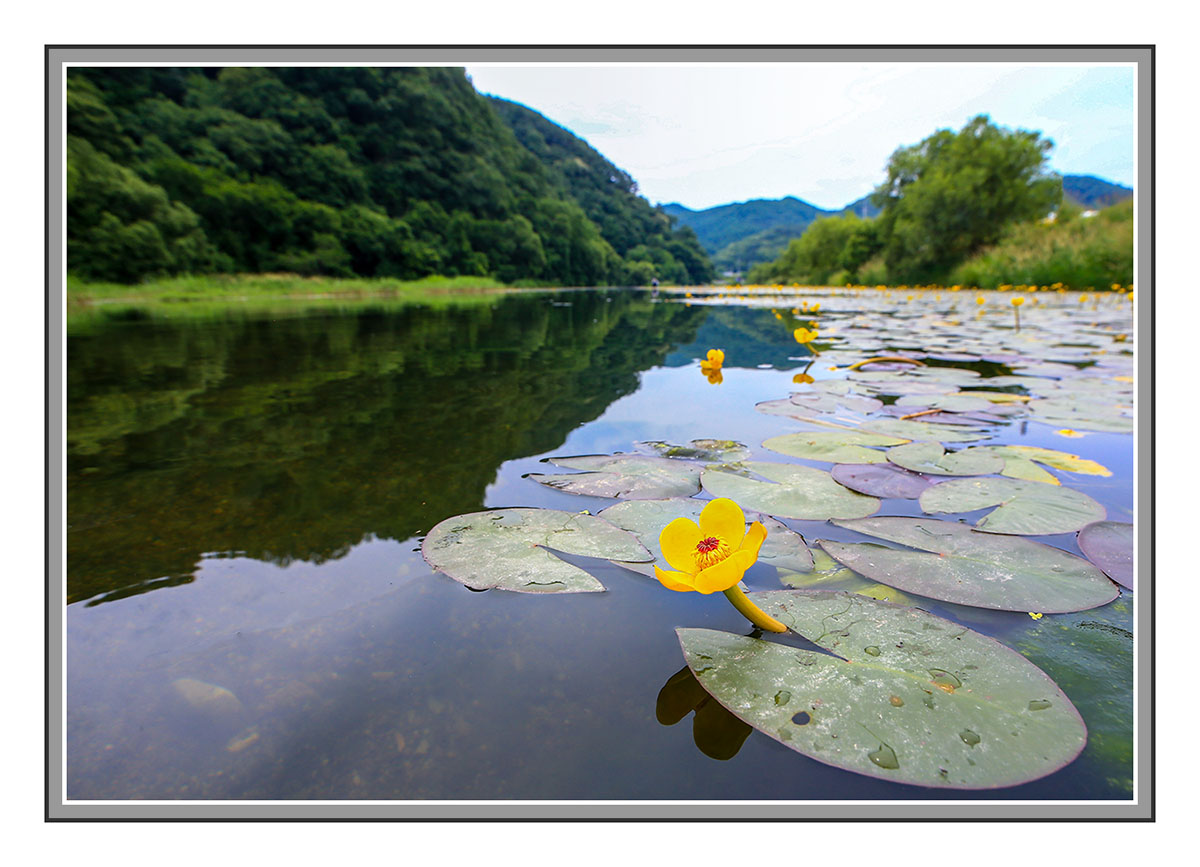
pixel 742 234
pixel 1089 191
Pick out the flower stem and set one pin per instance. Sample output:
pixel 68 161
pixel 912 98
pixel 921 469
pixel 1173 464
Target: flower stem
pixel 752 612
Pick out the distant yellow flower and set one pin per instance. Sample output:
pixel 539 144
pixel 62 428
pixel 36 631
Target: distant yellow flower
pixel 1017 301
pixel 802 378
pixel 1035 616
pixel 980 300
pixel 1067 432
pixel 805 335
pixel 715 359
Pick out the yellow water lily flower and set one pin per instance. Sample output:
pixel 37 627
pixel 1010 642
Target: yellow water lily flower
pixel 1067 432
pixel 1035 615
pixel 1018 301
pixel 712 556
pixel 802 378
pixel 805 335
pixel 715 359
pixel 980 300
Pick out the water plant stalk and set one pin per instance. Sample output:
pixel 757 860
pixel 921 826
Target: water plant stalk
pixel 752 612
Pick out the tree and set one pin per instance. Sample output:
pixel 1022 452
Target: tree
pixel 954 193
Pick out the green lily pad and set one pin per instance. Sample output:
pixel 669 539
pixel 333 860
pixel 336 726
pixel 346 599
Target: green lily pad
pixel 956 402
pixel 708 450
pixel 783 548
pixel 1109 544
pixel 837 448
pixel 1050 457
pixel 634 477
pixel 954 563
pixel 792 492
pixel 918 430
pixel 910 697
pixel 933 458
pixel 1025 508
pixel 825 573
pixel 507 549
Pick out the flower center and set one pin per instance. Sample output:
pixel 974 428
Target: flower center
pixel 710 551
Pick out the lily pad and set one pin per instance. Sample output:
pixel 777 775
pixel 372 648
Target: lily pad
pixel 1024 508
pixel 838 448
pixel 708 450
pixel 792 492
pixel 507 549
pixel 1109 544
pixel 954 563
pixel 783 548
pixel 910 697
pixel 634 477
pixel 956 402
pixel 1050 457
pixel 917 430
pixel 880 480
pixel 933 458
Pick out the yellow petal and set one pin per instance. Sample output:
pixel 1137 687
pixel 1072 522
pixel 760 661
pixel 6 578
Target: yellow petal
pixel 721 576
pixel 674 580
pixel 753 540
pixel 723 517
pixel 678 542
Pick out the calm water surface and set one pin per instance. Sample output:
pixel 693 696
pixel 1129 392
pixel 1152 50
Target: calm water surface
pixel 249 616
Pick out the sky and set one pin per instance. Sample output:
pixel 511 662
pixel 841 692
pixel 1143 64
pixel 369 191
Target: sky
pixel 706 135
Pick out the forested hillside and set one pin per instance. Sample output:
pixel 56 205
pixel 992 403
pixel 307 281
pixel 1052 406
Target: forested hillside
pixel 397 172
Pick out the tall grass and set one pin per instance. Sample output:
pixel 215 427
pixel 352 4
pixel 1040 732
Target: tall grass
pixel 1078 252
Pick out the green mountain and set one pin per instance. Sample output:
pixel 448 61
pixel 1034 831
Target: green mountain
pixel 638 231
pixel 1095 193
pixel 396 172
pixel 743 234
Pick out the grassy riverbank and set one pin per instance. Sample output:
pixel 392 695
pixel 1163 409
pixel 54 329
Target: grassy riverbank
pixel 283 294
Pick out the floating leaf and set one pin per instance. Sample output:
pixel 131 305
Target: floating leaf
pixel 507 549
pixel 792 492
pixel 880 480
pixel 957 564
pixel 933 458
pixel 635 477
pixel 1025 508
pixel 849 447
pixel 913 699
pixel 917 430
pixel 1109 545
pixel 784 548
pixel 824 572
pixel 947 402
pixel 1050 457
pixel 708 450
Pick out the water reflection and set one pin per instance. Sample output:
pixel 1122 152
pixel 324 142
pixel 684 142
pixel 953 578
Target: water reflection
pixel 717 732
pixel 295 439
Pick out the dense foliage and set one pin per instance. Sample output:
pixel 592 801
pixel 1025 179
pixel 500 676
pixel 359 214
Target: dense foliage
pixel 1077 251
pixel 969 208
pixel 954 193
pixel 397 172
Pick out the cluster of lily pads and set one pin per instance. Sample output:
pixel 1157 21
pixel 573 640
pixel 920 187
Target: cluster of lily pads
pixel 899 693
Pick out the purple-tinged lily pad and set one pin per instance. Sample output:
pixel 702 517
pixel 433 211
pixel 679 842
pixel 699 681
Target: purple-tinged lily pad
pixel 1109 544
pixel 880 480
pixel 956 564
